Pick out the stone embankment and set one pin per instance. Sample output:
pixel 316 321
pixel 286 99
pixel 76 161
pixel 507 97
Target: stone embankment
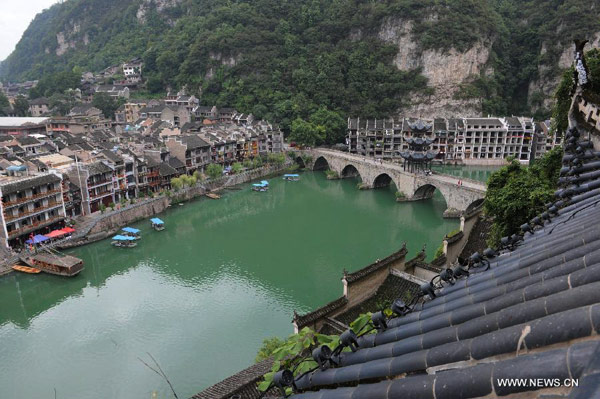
pixel 104 225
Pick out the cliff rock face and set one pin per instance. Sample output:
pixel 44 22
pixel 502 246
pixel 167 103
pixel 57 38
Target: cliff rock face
pixel 445 71
pixel 547 81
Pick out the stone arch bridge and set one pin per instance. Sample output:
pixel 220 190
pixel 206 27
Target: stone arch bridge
pixel 375 174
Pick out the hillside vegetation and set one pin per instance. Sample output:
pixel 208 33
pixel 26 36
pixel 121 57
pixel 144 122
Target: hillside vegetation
pixel 288 59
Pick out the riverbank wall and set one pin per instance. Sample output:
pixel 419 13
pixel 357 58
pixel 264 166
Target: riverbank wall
pixel 106 224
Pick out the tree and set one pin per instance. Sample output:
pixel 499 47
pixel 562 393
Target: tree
pixel 214 171
pixel 307 133
pixel 4 103
pixel 176 183
pixel 332 123
pixel 106 104
pixel 236 168
pixel 515 193
pixel 21 106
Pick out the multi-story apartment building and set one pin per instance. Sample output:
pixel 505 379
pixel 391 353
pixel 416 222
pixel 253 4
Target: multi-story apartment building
pixel 471 140
pixel 30 205
pixel 194 152
pixel 95 182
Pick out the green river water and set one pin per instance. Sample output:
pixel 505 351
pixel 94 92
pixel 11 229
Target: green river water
pixel 203 294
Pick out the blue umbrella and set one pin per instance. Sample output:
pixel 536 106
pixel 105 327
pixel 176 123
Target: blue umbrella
pixel 37 239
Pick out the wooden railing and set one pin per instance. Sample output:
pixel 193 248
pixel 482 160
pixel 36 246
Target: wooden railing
pixel 30 197
pixel 51 204
pixel 33 226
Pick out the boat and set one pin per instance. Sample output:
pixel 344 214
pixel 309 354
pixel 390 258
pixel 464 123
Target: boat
pixel 291 177
pixel 26 269
pixel 122 241
pixel 61 265
pixel 213 196
pixel 260 186
pixel 157 224
pixel 131 232
pixel 265 182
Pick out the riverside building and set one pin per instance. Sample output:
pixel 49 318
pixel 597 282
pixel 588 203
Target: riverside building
pixel 469 140
pixel 31 204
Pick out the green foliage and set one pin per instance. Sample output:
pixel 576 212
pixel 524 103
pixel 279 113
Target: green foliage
pixel 112 206
pixel 317 61
pixel 236 168
pixel 247 163
pixel 453 233
pixel 267 348
pixel 400 194
pixel 516 193
pixel 562 94
pixel 56 83
pixel 439 252
pixel 307 133
pixel 214 171
pixel 107 104
pixel 21 106
pixel 102 208
pixel 276 158
pixel 294 353
pixel 4 103
pixel 177 183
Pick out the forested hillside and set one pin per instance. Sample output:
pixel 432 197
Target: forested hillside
pixel 283 59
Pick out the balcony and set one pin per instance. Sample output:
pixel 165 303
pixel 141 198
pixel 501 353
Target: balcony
pixel 50 205
pixel 33 226
pixel 102 194
pixel 31 198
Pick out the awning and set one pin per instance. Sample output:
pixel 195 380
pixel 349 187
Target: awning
pixel 123 238
pixel 37 239
pixel 156 221
pixel 131 230
pixel 288 175
pixel 68 230
pixel 56 233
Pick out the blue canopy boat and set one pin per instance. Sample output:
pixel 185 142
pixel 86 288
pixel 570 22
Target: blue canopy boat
pixel 157 224
pixel 262 186
pixel 291 177
pixel 122 241
pixel 131 232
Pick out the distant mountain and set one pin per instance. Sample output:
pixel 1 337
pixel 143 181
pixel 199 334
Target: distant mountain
pixel 283 59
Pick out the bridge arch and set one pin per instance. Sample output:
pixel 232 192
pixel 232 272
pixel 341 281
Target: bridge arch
pixel 321 163
pixel 350 171
pixel 474 205
pixel 300 162
pixel 382 180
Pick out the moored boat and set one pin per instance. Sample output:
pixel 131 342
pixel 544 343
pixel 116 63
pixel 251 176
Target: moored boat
pixel 291 177
pixel 122 241
pixel 213 196
pixel 61 265
pixel 26 269
pixel 131 232
pixel 260 187
pixel 157 224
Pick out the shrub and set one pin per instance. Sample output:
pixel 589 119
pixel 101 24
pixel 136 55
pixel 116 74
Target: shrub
pixel 515 194
pixel 236 168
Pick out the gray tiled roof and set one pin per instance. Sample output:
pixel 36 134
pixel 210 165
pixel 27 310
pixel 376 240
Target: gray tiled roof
pixel 36 181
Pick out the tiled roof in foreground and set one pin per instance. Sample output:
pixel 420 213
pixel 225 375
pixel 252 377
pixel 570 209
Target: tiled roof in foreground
pixel 534 314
